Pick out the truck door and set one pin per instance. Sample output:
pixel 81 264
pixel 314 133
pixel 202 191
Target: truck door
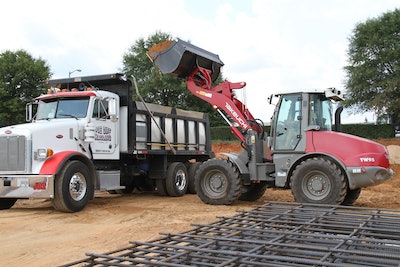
pixel 105 144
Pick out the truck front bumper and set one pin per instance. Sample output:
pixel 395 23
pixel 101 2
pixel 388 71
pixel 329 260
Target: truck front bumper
pixel 367 176
pixel 26 186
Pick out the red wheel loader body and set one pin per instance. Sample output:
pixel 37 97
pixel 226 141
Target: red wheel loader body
pixel 302 151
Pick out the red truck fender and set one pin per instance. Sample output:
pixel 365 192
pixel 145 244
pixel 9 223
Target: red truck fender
pixel 55 163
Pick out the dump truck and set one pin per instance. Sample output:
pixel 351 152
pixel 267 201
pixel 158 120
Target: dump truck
pixel 87 134
pixel 304 152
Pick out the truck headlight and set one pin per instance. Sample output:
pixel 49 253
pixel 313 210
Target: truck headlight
pixel 43 153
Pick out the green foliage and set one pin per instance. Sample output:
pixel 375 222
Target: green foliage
pixel 22 79
pixel 369 131
pixel 373 73
pixel 158 88
pixel 223 133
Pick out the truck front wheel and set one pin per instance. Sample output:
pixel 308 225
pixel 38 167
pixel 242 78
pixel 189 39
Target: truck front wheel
pixel 7 203
pixel 73 187
pixel 318 180
pixel 217 182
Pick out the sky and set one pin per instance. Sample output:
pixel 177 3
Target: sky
pixel 273 46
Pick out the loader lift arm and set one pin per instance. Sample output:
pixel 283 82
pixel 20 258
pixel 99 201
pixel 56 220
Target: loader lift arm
pixel 201 68
pixel 221 97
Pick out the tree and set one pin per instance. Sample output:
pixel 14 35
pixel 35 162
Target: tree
pixel 162 89
pixel 22 78
pixel 373 73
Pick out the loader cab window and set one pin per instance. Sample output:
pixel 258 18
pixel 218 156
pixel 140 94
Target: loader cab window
pixel 320 112
pixel 288 130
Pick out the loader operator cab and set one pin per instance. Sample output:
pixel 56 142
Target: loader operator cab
pixel 298 112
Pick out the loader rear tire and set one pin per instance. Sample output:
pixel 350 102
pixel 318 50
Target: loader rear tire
pixel 7 203
pixel 73 187
pixel 177 179
pixel 351 196
pixel 253 192
pixel 217 182
pixel 318 180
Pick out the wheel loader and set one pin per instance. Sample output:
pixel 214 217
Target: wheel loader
pixel 304 151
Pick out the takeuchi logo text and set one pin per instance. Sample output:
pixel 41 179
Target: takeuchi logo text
pixel 236 116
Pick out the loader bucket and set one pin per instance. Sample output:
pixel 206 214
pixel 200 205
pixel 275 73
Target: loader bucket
pixel 180 58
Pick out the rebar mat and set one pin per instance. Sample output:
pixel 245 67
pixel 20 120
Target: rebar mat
pixel 273 234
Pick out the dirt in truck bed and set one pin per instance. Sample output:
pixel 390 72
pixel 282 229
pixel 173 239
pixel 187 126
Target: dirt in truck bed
pixel 34 234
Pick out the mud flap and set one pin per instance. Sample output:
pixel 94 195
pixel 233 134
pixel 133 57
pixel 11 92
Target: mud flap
pixel 180 58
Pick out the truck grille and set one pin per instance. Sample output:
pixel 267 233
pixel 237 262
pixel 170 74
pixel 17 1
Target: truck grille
pixel 12 153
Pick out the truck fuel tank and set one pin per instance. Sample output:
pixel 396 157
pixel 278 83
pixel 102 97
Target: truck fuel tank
pixel 180 58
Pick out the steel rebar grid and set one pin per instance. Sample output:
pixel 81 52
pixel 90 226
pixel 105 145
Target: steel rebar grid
pixel 274 234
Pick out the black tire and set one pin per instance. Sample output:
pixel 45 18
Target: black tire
pixel 161 187
pixel 177 179
pixel 217 182
pixel 73 187
pixel 318 180
pixel 253 192
pixel 193 167
pixel 7 203
pixel 351 196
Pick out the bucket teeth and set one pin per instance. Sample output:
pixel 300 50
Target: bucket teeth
pixel 180 58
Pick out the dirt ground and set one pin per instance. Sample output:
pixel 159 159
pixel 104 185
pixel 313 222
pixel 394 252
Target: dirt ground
pixel 34 234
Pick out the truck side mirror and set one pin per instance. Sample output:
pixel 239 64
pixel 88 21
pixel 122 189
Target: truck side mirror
pixel 270 99
pixel 112 109
pixel 28 112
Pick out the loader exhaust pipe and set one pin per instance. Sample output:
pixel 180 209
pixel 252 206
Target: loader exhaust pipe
pixel 180 58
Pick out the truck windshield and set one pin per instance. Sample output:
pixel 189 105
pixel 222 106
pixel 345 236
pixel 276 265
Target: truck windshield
pixel 62 108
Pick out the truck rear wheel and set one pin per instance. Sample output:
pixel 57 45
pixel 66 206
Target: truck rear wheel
pixel 318 180
pixel 73 187
pixel 253 192
pixel 177 179
pixel 7 203
pixel 161 187
pixel 193 167
pixel 217 182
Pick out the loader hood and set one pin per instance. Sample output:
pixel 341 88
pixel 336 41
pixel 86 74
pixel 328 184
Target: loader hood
pixel 351 150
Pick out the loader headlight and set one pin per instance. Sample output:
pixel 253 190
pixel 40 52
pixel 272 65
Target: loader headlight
pixel 43 153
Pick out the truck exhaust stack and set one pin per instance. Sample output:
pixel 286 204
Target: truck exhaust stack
pixel 180 58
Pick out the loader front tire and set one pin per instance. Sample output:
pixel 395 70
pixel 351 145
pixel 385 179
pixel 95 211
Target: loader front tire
pixel 253 192
pixel 318 180
pixel 73 187
pixel 217 182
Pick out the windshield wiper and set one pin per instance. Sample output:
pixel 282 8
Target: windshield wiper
pixel 67 115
